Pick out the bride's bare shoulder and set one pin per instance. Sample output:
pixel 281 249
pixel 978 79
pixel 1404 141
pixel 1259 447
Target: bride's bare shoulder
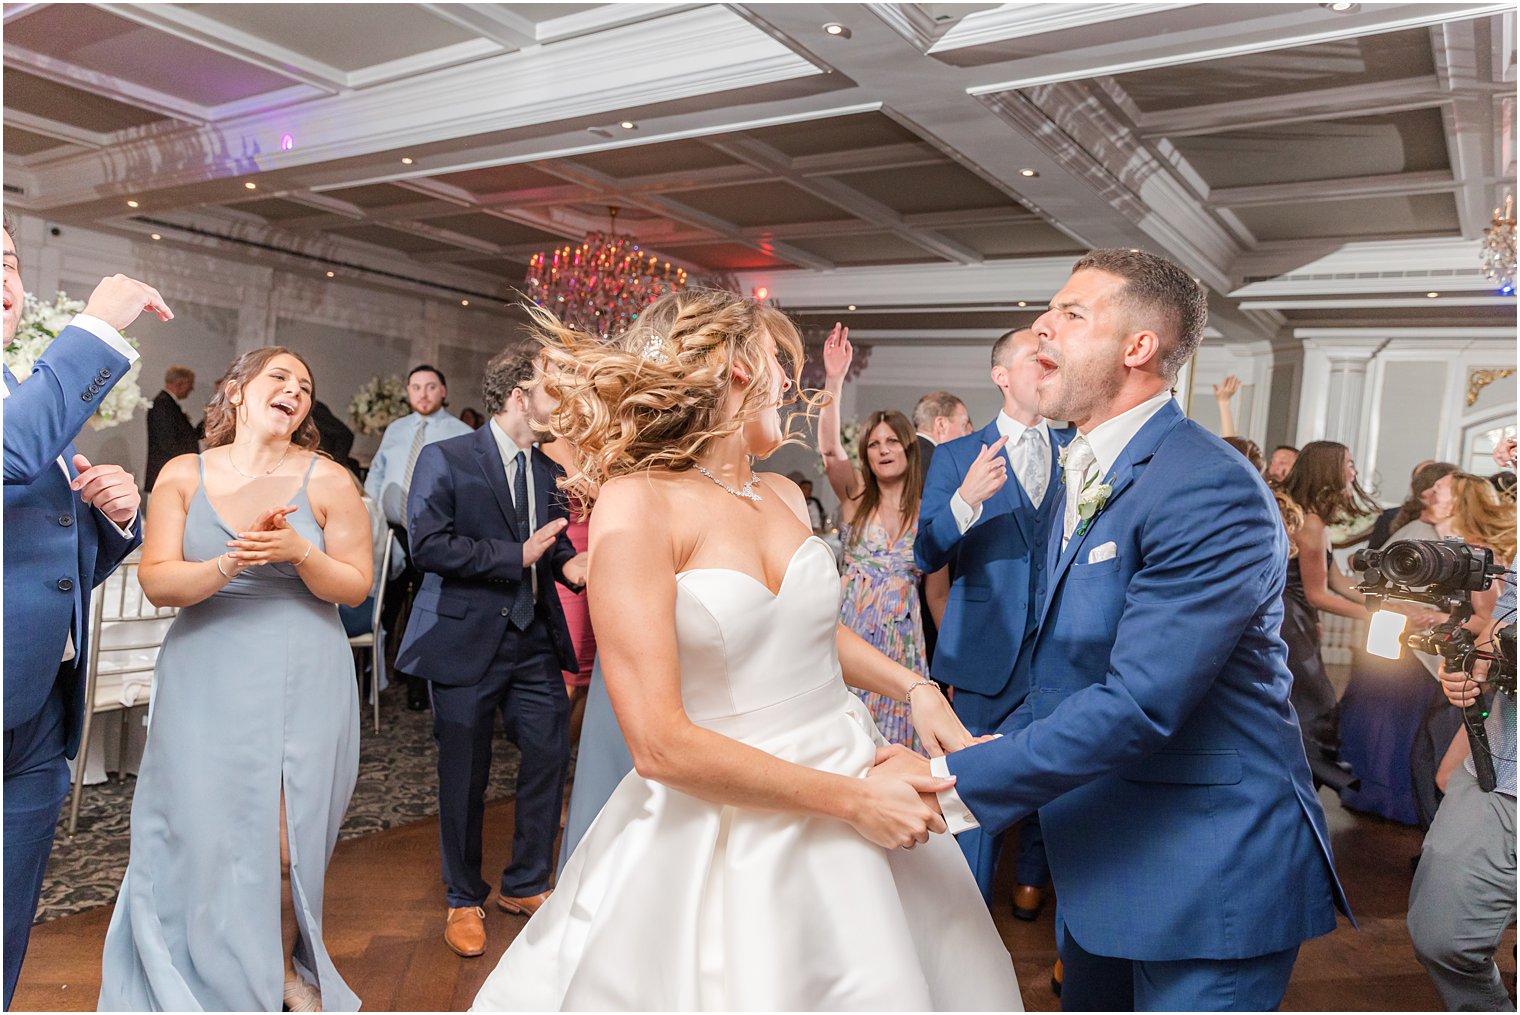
pixel 643 499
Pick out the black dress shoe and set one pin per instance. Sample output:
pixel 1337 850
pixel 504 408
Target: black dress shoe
pixel 416 702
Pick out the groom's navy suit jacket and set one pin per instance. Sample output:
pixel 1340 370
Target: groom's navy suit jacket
pixel 1157 741
pixel 465 539
pixel 57 548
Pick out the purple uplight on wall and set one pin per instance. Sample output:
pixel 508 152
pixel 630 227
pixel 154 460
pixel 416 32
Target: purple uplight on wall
pixel 287 142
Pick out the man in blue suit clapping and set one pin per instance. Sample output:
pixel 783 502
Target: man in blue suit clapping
pixel 1187 846
pixel 67 525
pixel 992 534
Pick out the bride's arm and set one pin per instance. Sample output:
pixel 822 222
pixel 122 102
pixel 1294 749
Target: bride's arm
pixel 867 668
pixel 632 591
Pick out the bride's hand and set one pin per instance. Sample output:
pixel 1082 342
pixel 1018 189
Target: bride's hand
pixel 937 724
pixel 897 808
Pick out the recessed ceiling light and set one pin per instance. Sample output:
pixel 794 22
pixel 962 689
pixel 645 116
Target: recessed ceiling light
pixel 1432 295
pixel 251 185
pixel 1134 250
pixel 156 236
pixel 628 125
pixel 1023 303
pixel 850 307
pixel 1029 172
pixel 330 275
pixel 131 204
pixel 406 160
pixel 836 29
pixel 464 303
pixel 1342 7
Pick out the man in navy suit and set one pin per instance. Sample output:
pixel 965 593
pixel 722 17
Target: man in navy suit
pixel 992 534
pixel 487 523
pixel 1186 844
pixel 67 525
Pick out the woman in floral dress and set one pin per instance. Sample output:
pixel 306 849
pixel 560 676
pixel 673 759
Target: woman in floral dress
pixel 878 510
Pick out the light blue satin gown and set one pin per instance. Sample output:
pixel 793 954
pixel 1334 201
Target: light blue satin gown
pixel 602 763
pixel 254 690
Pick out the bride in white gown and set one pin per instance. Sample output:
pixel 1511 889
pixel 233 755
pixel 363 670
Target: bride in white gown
pixel 748 862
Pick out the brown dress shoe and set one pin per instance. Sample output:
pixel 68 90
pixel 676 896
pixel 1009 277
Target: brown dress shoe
pixel 1027 902
pixel 522 907
pixel 465 931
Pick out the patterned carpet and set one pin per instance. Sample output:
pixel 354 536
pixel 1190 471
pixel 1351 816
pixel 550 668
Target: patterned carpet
pixel 398 783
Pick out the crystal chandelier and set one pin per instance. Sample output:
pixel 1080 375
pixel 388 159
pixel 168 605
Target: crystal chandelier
pixel 1499 248
pixel 601 285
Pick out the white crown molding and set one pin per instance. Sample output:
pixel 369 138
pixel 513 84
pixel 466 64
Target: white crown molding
pixel 422 63
pixel 1376 334
pixel 57 131
pixel 1379 267
pixel 1288 26
pixel 1024 20
pixel 1388 303
pixel 934 286
pixel 1295 107
pixel 720 52
pixel 64 72
pixel 1383 185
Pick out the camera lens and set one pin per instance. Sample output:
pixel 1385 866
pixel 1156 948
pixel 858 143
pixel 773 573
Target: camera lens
pixel 1418 562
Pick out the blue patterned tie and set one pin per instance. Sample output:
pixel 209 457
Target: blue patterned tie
pixel 522 607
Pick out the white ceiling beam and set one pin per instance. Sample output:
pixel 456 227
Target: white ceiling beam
pixel 1011 21
pixel 1261 29
pixel 602 17
pixel 1384 302
pixel 1432 182
pixel 55 130
pixel 192 26
pixel 1271 110
pixel 422 63
pixel 1467 122
pixel 906 155
pixel 331 205
pixel 15 12
pixel 494 22
pixel 842 196
pixel 929 286
pixel 105 85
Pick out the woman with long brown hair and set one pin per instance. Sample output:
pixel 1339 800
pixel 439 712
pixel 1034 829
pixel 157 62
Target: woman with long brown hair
pixel 253 747
pixel 878 513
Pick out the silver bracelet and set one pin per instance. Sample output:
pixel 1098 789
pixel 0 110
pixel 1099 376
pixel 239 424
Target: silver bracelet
pixel 908 697
pixel 220 568
pixel 305 555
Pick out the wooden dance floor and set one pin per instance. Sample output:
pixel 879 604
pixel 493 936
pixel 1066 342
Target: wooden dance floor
pixel 385 923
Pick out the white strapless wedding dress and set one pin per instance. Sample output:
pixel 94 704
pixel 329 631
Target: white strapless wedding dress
pixel 673 903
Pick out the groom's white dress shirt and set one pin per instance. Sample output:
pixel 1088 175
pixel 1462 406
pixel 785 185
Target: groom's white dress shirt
pixel 1108 441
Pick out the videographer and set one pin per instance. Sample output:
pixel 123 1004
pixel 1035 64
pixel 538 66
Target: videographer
pixel 1463 897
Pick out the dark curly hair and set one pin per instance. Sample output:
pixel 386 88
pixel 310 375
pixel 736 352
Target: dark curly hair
pixel 221 413
pixel 509 369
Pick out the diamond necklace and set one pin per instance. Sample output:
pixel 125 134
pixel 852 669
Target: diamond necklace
pixel 747 491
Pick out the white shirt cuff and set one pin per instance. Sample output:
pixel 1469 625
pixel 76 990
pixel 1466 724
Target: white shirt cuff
pixel 107 334
pixel 958 817
pixel 125 532
pixel 965 515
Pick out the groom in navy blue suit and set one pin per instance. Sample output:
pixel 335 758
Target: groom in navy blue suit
pixel 67 525
pixel 993 533
pixel 1188 849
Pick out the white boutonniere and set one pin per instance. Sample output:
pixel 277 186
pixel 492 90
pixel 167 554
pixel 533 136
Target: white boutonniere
pixel 1091 501
pixel 1061 457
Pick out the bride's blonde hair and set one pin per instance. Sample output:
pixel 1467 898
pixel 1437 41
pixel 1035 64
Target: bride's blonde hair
pixel 654 396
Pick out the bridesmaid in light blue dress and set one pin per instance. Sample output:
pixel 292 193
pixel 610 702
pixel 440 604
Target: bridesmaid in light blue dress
pixel 253 741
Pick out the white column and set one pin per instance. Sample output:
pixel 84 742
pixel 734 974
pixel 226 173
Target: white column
pixel 257 311
pixel 1333 406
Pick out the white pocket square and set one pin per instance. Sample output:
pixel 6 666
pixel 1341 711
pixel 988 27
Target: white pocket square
pixel 1108 551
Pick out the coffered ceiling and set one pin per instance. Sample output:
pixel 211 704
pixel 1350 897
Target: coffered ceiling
pixel 938 166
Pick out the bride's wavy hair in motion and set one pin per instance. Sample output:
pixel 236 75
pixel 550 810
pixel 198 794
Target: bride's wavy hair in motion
pixel 653 397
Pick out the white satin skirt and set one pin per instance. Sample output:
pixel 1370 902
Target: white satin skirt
pixel 671 903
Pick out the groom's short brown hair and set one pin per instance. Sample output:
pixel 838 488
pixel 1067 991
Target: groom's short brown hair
pixel 1167 299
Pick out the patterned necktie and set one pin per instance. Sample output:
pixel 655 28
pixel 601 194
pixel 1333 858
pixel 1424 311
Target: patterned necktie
pixel 521 614
pixel 419 440
pixel 1031 466
pixel 1079 462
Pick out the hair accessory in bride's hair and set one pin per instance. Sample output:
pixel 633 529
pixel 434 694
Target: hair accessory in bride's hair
pixel 654 350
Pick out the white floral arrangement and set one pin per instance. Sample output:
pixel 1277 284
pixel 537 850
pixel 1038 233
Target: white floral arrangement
pixel 40 324
pixel 378 404
pixel 849 436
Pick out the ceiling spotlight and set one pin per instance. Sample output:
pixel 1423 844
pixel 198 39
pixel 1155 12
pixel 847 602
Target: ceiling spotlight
pixel 329 274
pixel 1023 303
pixel 131 204
pixel 628 125
pixel 464 303
pixel 1342 7
pixel 1431 295
pixel 155 236
pixel 762 293
pixel 1029 172
pixel 251 185
pixel 836 29
pixel 406 160
pixel 850 307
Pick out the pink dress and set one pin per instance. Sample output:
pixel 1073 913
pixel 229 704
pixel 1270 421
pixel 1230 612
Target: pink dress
pixel 578 610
